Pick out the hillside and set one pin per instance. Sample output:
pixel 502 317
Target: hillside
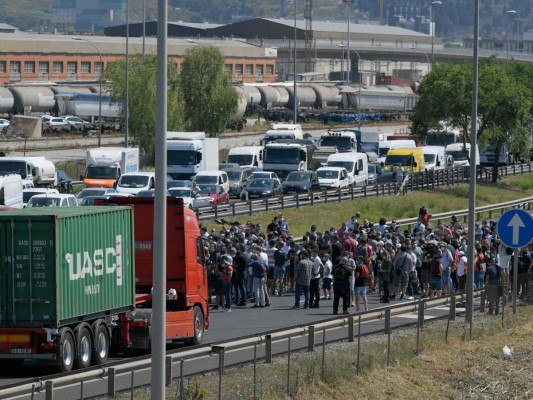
pixel 454 18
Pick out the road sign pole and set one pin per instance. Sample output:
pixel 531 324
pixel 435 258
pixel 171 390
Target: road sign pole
pixel 515 279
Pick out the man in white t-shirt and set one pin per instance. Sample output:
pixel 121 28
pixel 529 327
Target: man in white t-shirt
pixel 327 278
pixel 461 270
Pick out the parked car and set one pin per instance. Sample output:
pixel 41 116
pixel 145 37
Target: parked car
pixel 216 193
pixel 262 187
pixel 4 124
pixel 238 178
pixel 64 183
pixel 27 194
pixel 265 174
pixel 78 123
pixel 94 192
pixel 178 183
pixel 375 172
pixel 52 200
pixel 189 200
pixel 300 182
pixel 91 200
pixel 55 124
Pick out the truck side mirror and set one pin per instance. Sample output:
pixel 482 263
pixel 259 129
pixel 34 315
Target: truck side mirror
pixel 415 164
pixel 303 155
pixel 198 157
pixel 438 163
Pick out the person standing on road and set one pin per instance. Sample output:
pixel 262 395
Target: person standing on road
pixel 314 287
pixel 436 274
pixel 259 276
pixel 341 285
pixel 226 280
pixel 361 283
pixel 280 258
pixel 327 277
pixel 302 279
pixel 493 282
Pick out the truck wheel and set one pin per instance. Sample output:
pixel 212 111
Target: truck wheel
pixel 101 345
pixel 66 351
pixel 84 346
pixel 199 325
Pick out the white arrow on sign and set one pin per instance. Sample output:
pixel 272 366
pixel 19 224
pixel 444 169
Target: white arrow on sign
pixel 516 223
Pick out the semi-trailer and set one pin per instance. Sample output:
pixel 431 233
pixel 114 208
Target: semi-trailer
pixel 76 283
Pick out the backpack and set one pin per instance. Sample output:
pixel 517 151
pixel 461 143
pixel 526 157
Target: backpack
pixel 365 272
pixel 339 272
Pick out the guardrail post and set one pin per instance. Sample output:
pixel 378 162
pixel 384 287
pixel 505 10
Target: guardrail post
pixel 266 204
pixel 388 332
pixel 216 210
pixel 282 202
pixel 111 382
pixel 297 200
pixel 482 301
pixel 340 194
pixel 312 197
pixel 351 191
pixel 220 351
pixel 325 196
pixel 49 388
pixel 250 207
pixel 268 349
pixel 452 308
pixel 311 339
pixel 233 208
pixel 168 370
pixel 350 329
pixel 421 311
pixel 521 169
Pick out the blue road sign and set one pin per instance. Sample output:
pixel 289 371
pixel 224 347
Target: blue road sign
pixel 515 228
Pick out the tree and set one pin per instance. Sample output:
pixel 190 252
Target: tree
pixel 209 98
pixel 142 98
pixel 504 103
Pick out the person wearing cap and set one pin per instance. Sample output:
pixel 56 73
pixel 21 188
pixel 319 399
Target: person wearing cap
pixel 461 271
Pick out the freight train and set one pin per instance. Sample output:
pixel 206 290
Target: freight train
pixel 273 100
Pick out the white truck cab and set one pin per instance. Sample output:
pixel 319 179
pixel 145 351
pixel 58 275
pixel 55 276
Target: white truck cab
pixel 332 177
pixel 355 163
pixel 134 182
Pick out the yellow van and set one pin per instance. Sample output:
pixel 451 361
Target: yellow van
pixel 410 159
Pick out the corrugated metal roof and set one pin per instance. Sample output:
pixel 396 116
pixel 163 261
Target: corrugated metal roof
pixel 63 44
pixel 201 25
pixel 367 29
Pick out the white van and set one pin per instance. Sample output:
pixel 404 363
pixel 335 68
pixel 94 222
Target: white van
pixel 355 163
pixel 11 191
pixel 52 200
pixel 246 156
pixel 212 177
pixel 332 177
pixel 386 145
pixel 435 157
pixel 134 182
pixel 461 153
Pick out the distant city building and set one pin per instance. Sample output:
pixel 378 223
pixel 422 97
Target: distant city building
pixel 88 16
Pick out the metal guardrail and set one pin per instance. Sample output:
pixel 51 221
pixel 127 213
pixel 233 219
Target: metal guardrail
pixel 107 376
pixel 430 180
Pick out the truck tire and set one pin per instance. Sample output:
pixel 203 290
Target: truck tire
pixel 84 347
pixel 199 326
pixel 66 350
pixel 101 344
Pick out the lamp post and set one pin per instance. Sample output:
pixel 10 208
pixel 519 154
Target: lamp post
pixel 99 86
pixel 432 26
pixel 127 100
pixel 295 105
pixel 360 88
pixel 342 46
pixel 348 61
pixel 510 14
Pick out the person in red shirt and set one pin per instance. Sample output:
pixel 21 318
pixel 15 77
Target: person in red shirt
pixel 226 283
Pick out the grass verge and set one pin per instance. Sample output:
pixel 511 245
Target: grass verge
pixel 456 369
pixel 333 214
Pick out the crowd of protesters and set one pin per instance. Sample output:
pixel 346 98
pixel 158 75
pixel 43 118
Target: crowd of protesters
pixel 250 265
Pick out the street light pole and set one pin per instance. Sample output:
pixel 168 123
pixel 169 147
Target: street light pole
pixel 341 45
pixel 99 86
pixel 127 110
pixel 509 13
pixel 432 26
pixel 360 88
pixel 295 105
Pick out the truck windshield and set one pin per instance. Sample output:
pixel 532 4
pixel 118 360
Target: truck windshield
pixel 277 136
pixel 369 147
pixel 17 167
pixel 241 159
pixel 133 181
pixel 458 155
pixel 342 143
pixel 281 156
pixel 348 165
pixel 101 172
pixel 429 158
pixel 442 139
pixel 181 157
pixel 383 151
pixel 404 160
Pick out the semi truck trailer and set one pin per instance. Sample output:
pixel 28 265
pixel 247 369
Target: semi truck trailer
pixel 76 283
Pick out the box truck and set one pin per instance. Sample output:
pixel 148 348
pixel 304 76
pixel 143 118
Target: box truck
pixel 105 165
pixel 189 153
pixel 74 284
pixel 11 191
pixel 246 156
